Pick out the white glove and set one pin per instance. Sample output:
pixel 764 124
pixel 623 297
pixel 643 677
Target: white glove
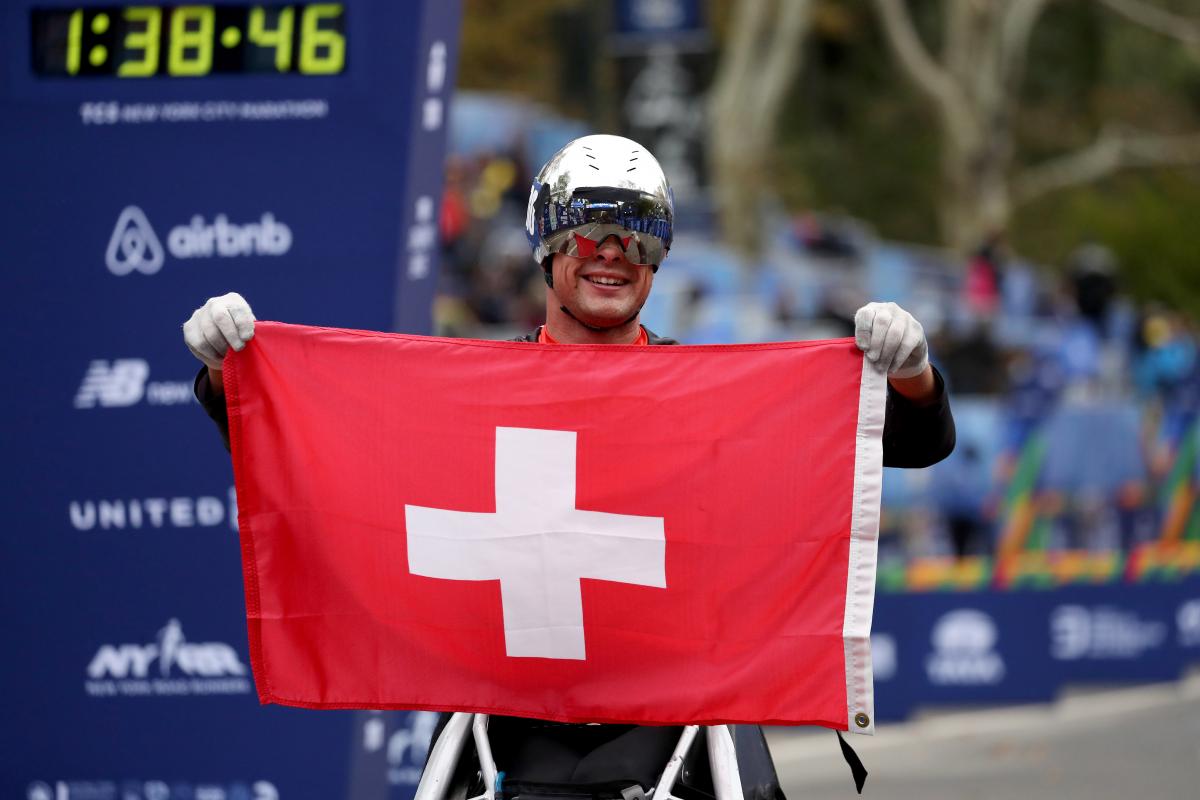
pixel 892 338
pixel 219 324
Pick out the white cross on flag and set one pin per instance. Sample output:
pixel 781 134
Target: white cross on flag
pixel 658 535
pixel 537 544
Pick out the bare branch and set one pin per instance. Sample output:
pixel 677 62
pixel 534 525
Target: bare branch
pixel 921 68
pixel 783 56
pixel 958 43
pixel 738 59
pixel 763 51
pixel 1113 150
pixel 923 71
pixel 1158 20
pixel 1018 24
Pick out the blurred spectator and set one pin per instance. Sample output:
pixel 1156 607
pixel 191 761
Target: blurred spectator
pixel 972 364
pixel 1078 404
pixel 981 290
pixel 1092 269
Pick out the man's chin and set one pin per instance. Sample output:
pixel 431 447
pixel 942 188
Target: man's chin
pixel 603 319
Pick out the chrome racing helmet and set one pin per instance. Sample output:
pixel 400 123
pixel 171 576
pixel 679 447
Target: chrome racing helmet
pixel 595 188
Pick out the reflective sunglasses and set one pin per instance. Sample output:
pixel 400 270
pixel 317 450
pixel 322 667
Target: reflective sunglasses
pixel 585 240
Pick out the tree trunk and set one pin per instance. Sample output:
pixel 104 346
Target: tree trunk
pixel 755 72
pixel 973 87
pixel 974 203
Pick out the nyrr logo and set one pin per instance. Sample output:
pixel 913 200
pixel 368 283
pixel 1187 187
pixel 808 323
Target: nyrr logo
pixel 134 246
pixel 169 666
pixel 963 654
pixel 124 382
pixel 150 790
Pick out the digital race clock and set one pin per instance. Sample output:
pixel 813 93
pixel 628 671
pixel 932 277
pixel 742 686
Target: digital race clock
pixel 188 41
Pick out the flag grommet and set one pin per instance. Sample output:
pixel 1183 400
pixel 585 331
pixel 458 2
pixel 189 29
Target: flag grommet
pixel 862 720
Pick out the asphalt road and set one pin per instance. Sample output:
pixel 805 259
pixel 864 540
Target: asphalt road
pixel 1133 744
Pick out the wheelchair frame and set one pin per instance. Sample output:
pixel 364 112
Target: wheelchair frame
pixel 447 751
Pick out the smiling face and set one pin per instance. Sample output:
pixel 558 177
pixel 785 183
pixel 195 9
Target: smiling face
pixel 603 291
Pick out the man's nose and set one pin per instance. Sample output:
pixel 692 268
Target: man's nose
pixel 610 250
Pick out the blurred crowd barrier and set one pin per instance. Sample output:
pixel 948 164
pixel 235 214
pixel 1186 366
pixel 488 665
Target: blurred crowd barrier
pixel 955 649
pixel 1078 409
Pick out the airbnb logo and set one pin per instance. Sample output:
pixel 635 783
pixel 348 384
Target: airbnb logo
pixel 135 247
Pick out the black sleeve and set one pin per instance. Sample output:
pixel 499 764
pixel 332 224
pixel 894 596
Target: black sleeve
pixel 213 403
pixel 917 435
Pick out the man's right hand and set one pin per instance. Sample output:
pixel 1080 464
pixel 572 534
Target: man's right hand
pixel 219 324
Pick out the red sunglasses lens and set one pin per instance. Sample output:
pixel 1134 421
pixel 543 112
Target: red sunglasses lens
pixel 586 248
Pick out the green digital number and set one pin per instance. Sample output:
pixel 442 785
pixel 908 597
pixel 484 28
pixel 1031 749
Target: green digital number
pixel 144 41
pixel 313 38
pixel 74 37
pixel 198 39
pixel 280 38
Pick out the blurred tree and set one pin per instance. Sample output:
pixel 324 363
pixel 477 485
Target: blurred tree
pixel 1159 20
pixel 758 63
pixel 856 135
pixel 508 47
pixel 975 89
pixel 1147 218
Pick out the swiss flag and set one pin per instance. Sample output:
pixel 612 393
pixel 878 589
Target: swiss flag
pixel 583 533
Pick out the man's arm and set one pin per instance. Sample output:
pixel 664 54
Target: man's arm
pixel 219 324
pixel 210 391
pixel 919 429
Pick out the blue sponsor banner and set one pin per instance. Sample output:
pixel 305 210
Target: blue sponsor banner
pixel 1025 646
pixel 659 17
pixel 154 156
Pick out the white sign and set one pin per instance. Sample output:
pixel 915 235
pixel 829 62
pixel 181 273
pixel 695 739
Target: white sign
pixel 963 650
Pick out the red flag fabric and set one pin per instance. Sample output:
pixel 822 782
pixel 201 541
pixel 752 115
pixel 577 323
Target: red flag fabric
pixel 581 533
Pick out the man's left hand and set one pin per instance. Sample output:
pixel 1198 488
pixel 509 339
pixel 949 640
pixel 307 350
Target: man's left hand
pixel 892 338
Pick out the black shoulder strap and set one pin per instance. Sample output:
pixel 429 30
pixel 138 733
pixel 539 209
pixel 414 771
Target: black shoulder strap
pixel 654 338
pixel 856 766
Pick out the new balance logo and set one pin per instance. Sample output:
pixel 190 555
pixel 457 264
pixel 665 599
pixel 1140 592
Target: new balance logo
pixel 123 382
pixel 133 245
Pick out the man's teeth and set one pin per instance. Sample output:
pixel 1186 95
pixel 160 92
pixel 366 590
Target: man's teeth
pixel 606 281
